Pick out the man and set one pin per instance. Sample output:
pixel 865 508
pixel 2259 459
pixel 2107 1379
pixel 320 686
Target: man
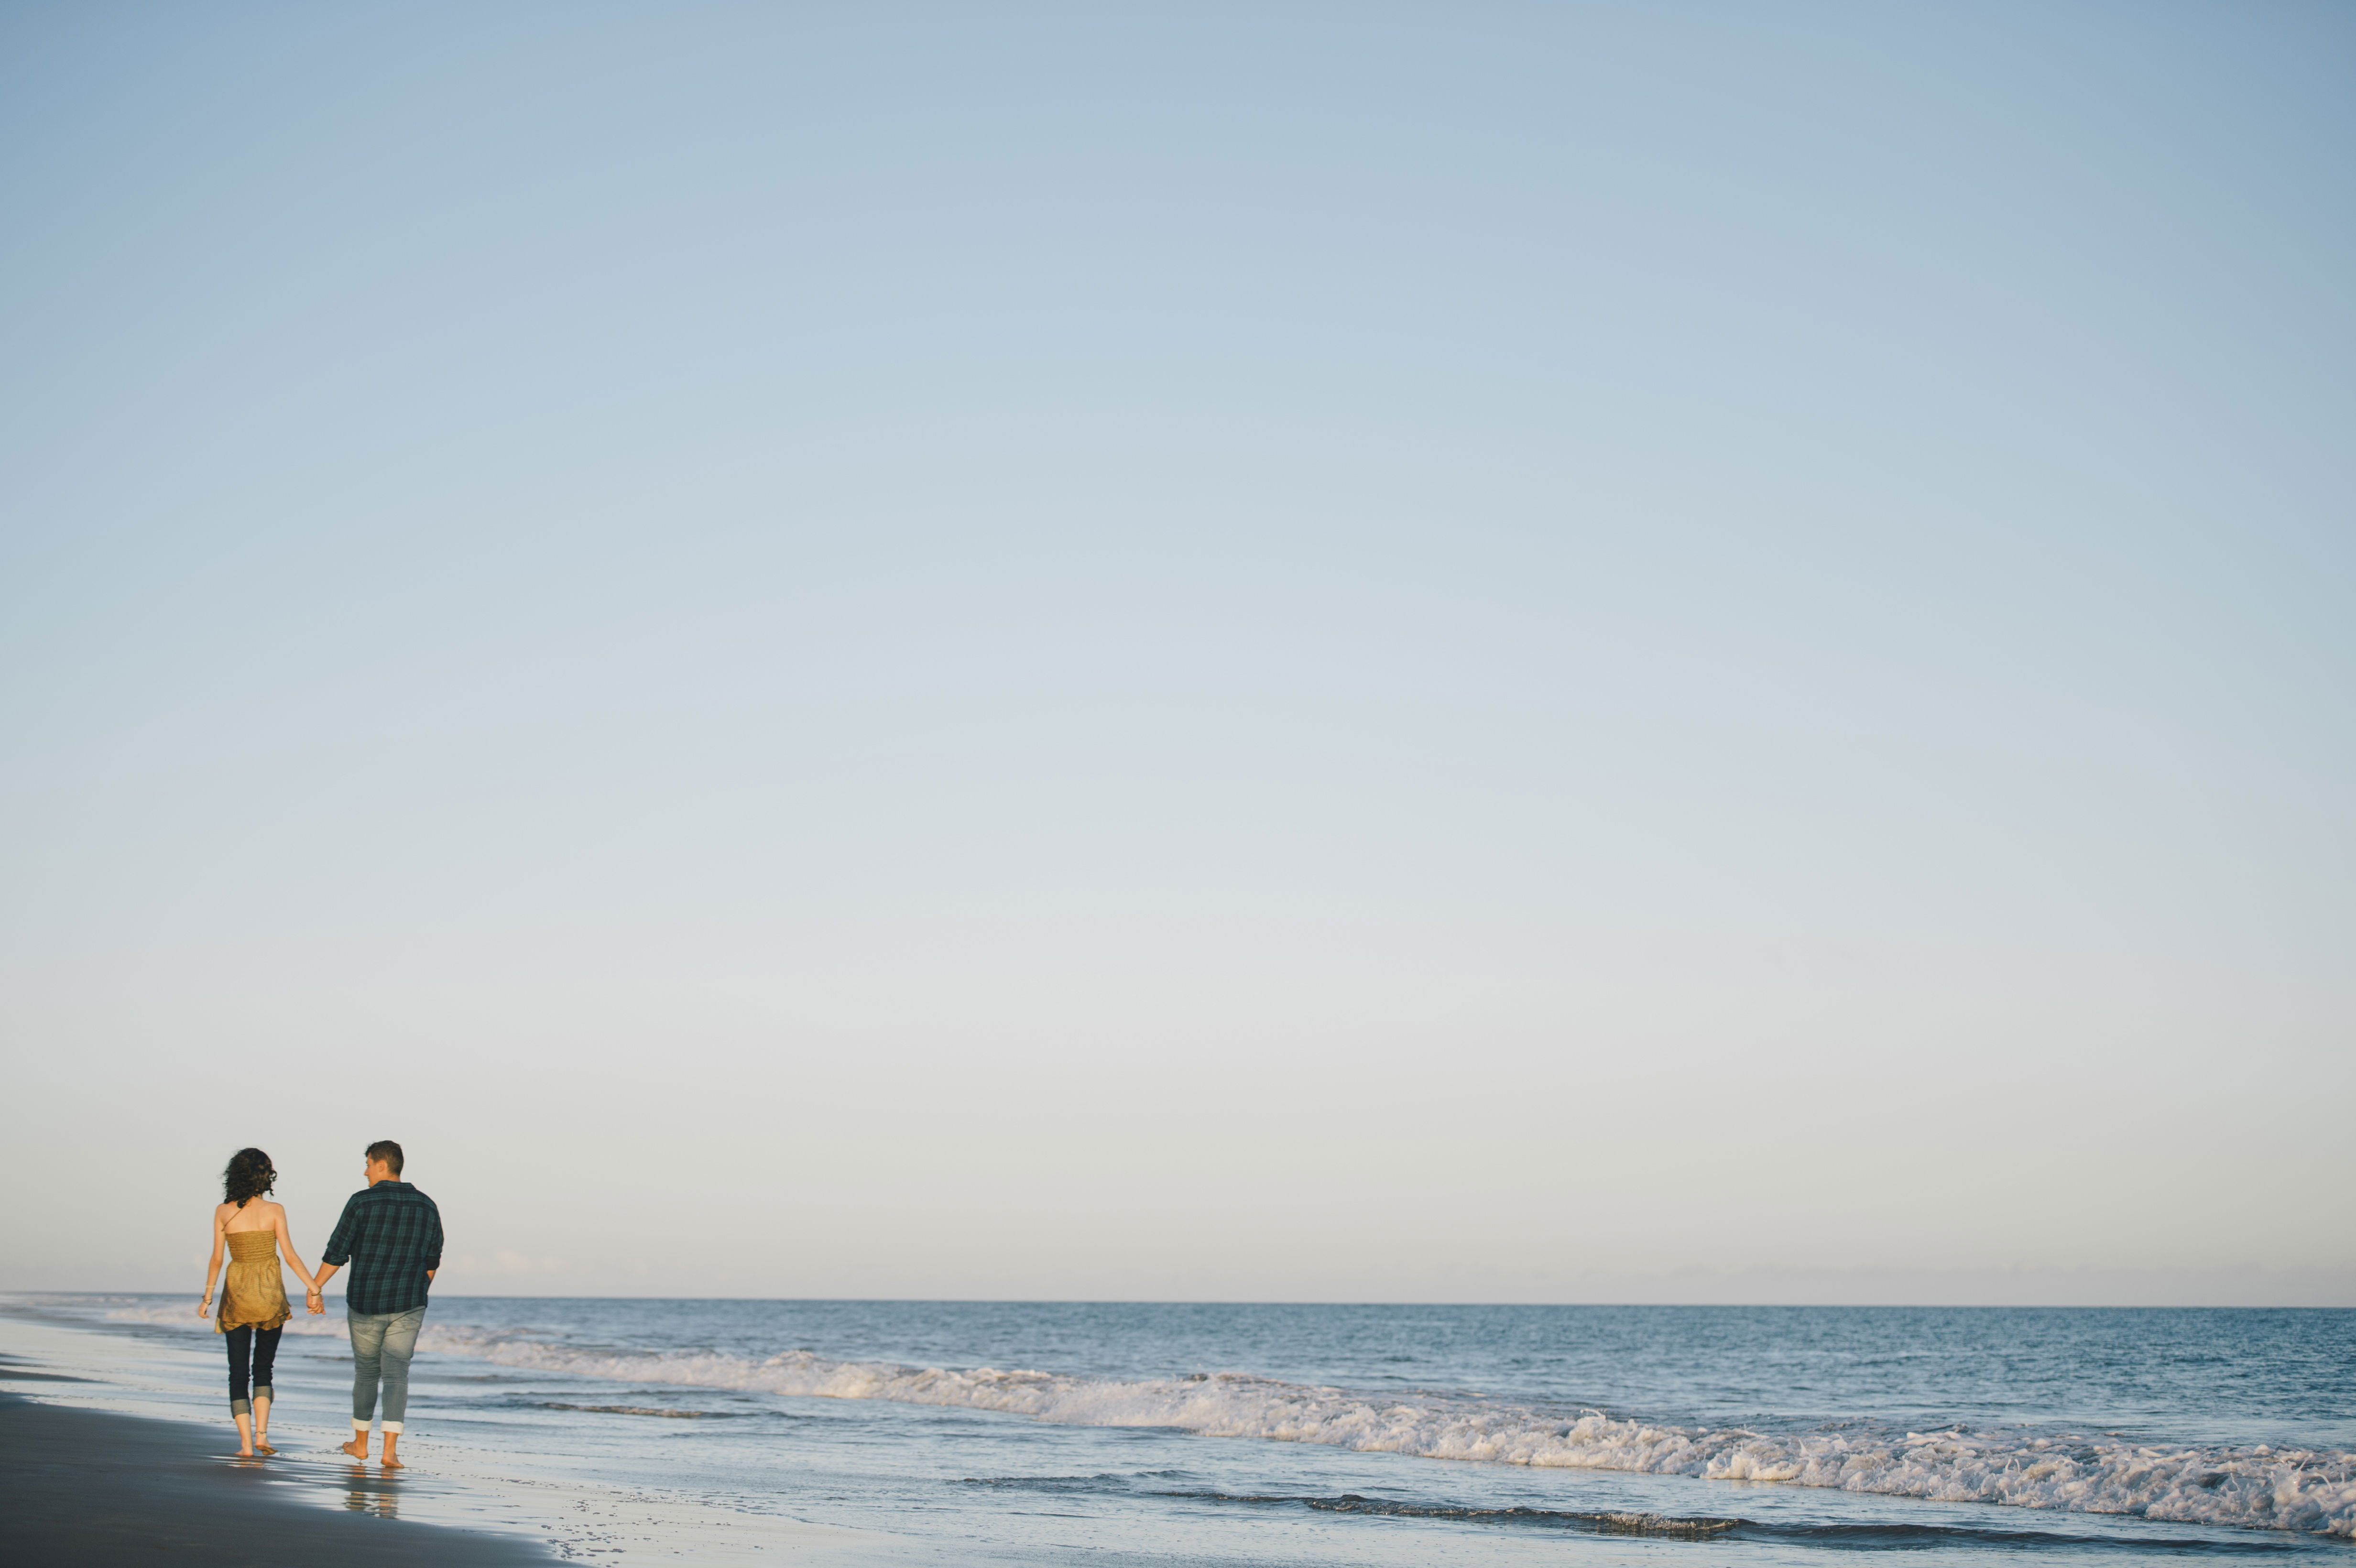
pixel 395 1234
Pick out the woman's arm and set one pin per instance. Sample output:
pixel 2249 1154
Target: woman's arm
pixel 287 1245
pixel 212 1269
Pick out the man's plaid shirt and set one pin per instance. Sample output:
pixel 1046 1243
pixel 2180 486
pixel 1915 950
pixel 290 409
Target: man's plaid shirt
pixel 390 1235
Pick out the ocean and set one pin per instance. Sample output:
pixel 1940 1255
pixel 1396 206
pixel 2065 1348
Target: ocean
pixel 1104 1434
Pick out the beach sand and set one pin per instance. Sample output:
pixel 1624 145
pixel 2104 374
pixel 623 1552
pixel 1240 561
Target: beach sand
pixel 83 1487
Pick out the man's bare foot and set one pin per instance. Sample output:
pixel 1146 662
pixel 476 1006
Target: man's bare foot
pixel 389 1462
pixel 357 1448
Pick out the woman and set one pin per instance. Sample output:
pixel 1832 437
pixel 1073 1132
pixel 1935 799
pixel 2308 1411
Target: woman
pixel 253 1298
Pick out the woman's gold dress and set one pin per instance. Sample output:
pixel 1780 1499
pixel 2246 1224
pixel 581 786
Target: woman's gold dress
pixel 254 1294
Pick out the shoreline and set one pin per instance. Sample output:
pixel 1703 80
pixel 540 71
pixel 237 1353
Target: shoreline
pixel 84 1486
pixel 606 1473
pixel 89 1479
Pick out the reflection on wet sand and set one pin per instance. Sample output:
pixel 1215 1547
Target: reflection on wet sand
pixel 377 1495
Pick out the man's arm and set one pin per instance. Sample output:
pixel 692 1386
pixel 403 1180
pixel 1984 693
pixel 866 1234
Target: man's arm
pixel 338 1250
pixel 432 1238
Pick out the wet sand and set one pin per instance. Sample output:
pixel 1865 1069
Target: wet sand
pixel 81 1486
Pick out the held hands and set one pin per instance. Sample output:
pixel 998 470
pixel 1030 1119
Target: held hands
pixel 204 1305
pixel 311 1299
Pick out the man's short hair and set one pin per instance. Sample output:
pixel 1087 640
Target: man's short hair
pixel 387 1150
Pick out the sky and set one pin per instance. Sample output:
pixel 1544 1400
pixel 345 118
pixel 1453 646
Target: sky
pixel 1262 652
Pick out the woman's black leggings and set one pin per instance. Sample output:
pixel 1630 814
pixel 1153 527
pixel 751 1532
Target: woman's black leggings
pixel 264 1345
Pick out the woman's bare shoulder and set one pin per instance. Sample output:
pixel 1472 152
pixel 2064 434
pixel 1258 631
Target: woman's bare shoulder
pixel 224 1212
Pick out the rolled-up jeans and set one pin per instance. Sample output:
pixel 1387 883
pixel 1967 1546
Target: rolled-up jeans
pixel 382 1343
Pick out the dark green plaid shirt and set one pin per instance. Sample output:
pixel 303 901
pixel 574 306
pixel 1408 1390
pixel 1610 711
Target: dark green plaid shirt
pixel 390 1235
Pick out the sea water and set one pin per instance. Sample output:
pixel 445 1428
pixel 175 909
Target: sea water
pixel 1199 1434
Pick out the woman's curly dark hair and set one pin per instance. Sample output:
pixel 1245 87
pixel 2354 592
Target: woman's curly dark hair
pixel 249 1176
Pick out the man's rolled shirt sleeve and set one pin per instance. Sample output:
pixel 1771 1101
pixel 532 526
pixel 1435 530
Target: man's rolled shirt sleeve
pixel 338 1251
pixel 433 1239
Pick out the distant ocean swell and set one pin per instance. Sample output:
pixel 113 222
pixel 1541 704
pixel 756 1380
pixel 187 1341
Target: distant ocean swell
pixel 2260 1487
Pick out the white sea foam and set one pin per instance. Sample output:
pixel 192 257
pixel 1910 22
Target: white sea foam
pixel 2260 1486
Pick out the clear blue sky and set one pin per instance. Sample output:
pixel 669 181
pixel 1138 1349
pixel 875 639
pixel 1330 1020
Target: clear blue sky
pixel 1494 652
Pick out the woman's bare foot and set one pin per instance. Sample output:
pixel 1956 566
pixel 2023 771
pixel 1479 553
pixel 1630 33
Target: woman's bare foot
pixel 357 1448
pixel 262 1445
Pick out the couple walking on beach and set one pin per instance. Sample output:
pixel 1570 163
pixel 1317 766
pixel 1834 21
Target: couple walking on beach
pixel 390 1235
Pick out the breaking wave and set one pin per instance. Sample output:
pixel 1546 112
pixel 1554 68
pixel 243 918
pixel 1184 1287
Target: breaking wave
pixel 2259 1486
